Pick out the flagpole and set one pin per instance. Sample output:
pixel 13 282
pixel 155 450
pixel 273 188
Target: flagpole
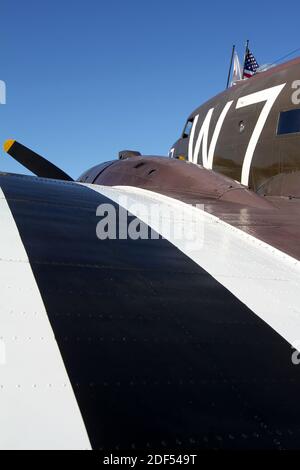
pixel 246 52
pixel 230 66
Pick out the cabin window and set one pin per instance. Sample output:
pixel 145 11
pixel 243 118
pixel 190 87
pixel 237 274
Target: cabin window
pixel 289 122
pixel 188 128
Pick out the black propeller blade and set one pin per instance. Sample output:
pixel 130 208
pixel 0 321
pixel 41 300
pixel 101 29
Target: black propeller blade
pixel 34 162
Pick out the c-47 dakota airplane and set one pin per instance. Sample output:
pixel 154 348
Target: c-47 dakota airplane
pixel 160 342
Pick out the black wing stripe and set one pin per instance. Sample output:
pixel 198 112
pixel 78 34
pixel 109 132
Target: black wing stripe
pixel 159 353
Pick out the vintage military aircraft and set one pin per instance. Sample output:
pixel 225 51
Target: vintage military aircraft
pixel 159 343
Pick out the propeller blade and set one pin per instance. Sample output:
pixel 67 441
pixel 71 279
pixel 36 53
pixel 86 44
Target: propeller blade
pixel 34 162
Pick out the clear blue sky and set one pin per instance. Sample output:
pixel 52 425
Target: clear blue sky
pixel 86 79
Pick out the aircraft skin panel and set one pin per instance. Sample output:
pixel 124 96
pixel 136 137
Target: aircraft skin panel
pixel 270 218
pixel 37 405
pixel 159 352
pixel 264 278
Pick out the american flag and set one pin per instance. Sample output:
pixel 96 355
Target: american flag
pixel 250 66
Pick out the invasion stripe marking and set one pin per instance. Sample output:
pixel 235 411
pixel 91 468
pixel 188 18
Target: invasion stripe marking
pixel 262 277
pixel 155 348
pixel 38 408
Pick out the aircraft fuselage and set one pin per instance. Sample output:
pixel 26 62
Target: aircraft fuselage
pixel 251 131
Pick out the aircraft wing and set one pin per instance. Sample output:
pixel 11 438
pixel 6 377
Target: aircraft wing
pixel 160 342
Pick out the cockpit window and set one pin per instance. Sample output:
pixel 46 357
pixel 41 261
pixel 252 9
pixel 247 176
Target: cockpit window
pixel 187 129
pixel 289 122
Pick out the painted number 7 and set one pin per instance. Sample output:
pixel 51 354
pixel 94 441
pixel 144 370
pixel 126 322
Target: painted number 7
pixel 269 95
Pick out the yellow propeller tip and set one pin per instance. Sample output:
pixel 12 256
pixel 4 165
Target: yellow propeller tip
pixel 8 144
